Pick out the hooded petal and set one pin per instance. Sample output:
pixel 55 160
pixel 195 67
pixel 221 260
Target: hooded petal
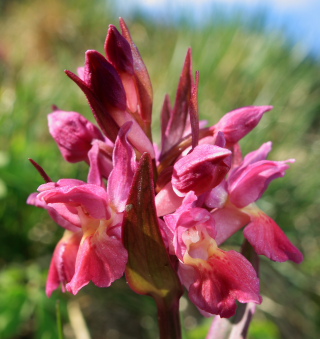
pixel 201 170
pixel 167 201
pixel 66 199
pixel 268 239
pixel 238 123
pixel 73 134
pixel 142 79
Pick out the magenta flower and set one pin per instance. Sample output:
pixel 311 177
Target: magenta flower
pixel 80 140
pixel 238 123
pixel 245 185
pixel 173 206
pixel 63 262
pixel 198 171
pixel 74 134
pixel 215 278
pixel 97 215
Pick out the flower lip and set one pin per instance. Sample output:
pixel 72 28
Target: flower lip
pixel 201 170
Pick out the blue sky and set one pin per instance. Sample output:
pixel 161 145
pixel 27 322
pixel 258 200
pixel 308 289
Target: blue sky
pixel 301 18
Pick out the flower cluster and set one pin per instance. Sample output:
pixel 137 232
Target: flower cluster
pixel 205 191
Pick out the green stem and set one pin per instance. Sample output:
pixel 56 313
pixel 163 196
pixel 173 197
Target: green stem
pixel 169 318
pixel 59 321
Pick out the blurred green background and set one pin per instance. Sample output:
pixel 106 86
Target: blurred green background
pixel 239 65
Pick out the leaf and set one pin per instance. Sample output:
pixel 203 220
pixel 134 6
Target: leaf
pixel 149 270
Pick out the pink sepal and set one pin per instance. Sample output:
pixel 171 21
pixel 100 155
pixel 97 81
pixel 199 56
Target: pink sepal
pixel 63 261
pixel 124 166
pixel 228 220
pixel 34 200
pixel 65 198
pixel 201 170
pixel 268 239
pixel 100 165
pixel 73 134
pixel 239 164
pixel 216 284
pixel 238 123
pixel 101 259
pixel 254 179
pixel 167 201
pixel 217 197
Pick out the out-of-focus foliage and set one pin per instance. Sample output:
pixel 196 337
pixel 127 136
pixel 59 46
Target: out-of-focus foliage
pixel 239 65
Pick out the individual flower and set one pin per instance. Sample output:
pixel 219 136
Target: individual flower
pixel 80 140
pixel 214 278
pixel 94 213
pixel 198 171
pixel 236 201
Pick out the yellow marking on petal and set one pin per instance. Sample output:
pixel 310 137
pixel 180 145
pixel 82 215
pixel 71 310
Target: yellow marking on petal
pixel 252 210
pixel 91 226
pixel 200 247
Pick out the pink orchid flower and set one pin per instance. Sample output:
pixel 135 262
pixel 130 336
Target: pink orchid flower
pixel 237 196
pixel 80 140
pixel 199 171
pixel 214 278
pixel 97 215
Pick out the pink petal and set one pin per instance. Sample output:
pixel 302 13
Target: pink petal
pixel 200 170
pixel 238 123
pixel 239 165
pixel 124 166
pixel 253 181
pixel 66 199
pixel 118 51
pixel 217 197
pixel 104 81
pixel 221 280
pixel 100 165
pixel 101 259
pixel 167 201
pixel 101 113
pixel 228 220
pixel 190 225
pixel 268 239
pixel 73 134
pixel 62 265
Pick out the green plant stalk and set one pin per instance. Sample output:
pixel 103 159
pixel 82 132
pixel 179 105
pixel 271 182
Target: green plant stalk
pixel 169 318
pixel 59 320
